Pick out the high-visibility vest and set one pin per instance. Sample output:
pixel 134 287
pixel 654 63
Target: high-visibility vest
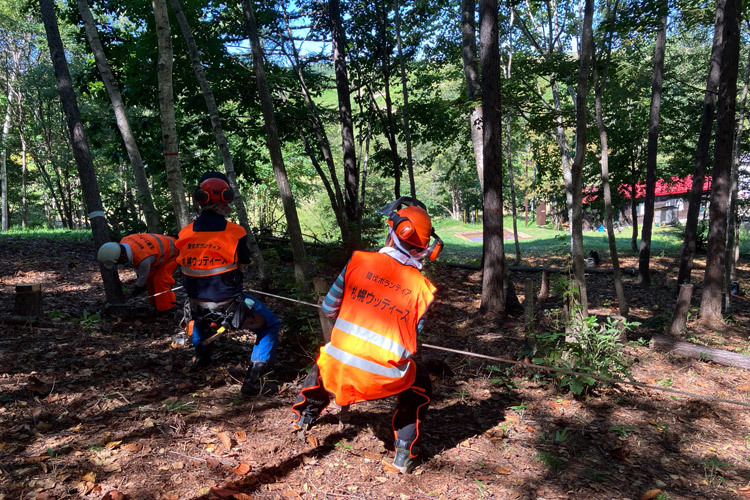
pixel 205 253
pixel 375 333
pixel 144 245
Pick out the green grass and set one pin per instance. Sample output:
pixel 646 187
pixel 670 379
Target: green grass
pixel 56 234
pixel 548 242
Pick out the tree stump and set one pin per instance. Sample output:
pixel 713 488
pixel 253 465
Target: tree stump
pixel 28 299
pixel 679 317
pixel 544 289
pixel 321 289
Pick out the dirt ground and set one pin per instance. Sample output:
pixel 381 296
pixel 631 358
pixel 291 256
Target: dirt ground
pixel 96 407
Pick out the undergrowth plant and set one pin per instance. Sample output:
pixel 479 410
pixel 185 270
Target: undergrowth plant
pixel 595 349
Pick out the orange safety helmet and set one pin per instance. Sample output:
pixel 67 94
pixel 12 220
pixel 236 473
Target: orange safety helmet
pixel 213 188
pixel 412 225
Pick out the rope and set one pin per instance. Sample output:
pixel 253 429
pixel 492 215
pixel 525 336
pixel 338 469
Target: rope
pixel 609 380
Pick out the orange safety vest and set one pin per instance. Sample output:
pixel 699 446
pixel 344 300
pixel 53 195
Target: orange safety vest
pixel 144 245
pixel 375 332
pixel 205 253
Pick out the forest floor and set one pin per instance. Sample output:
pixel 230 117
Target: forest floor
pixel 96 407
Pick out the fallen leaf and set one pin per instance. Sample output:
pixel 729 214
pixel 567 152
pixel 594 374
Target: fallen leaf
pixel 133 447
pixel 84 487
pixel 113 444
pixel 90 477
pixel 212 463
pixel 242 496
pixel 744 388
pixel 372 456
pixel 221 493
pixel 240 436
pixel 225 440
pixel 35 460
pixel 43 496
pixel 504 470
pixel 169 496
pixel 114 495
pixel 178 465
pixel 483 479
pixel 650 494
pixel 37 386
pixel 389 467
pixel 313 441
pixel 241 469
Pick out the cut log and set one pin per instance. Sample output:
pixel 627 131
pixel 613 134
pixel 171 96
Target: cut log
pixel 28 300
pixel 326 325
pixel 690 350
pixel 679 317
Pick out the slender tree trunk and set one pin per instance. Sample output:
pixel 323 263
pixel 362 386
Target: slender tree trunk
pixel 4 166
pixel 730 268
pixel 702 151
pixel 123 123
pixel 80 144
pixel 494 267
pixel 576 186
pixel 166 113
pixel 221 140
pixel 644 257
pixel 274 147
pixel 351 174
pixel 725 123
pixel 634 209
pixel 473 90
pixel 600 80
pixel 509 150
pixel 407 132
pixel 390 129
pixel 24 168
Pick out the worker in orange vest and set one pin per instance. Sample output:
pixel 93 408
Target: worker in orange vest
pixel 213 253
pixel 379 301
pixel 154 258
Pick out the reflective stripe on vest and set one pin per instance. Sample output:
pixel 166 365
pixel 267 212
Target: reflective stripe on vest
pixel 363 364
pixel 372 337
pixel 143 245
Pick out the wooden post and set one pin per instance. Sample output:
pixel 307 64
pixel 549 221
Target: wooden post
pixel 321 289
pixel 544 289
pixel 28 299
pixel 528 304
pixel 679 318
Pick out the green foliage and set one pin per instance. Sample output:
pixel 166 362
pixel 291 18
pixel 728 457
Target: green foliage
pixel 712 470
pixel 594 349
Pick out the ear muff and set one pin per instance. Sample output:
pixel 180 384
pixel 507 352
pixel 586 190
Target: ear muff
pixel 437 246
pixel 215 190
pixel 402 227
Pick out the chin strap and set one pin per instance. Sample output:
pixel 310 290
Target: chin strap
pixel 397 245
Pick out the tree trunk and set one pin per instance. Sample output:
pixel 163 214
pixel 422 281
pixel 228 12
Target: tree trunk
pixel 24 169
pixel 702 151
pixel 123 123
pixel 599 83
pixel 697 351
pixel 407 132
pixel 351 174
pixel 509 151
pixel 574 185
pixel 725 123
pixel 334 187
pixel 493 299
pixel 221 140
pixel 390 129
pixel 274 147
pixel 732 250
pixel 4 224
pixel 473 90
pixel 166 113
pixel 634 210
pixel 644 257
pixel 80 145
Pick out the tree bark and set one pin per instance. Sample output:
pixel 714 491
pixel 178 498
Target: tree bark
pixel 80 145
pixel 494 276
pixel 274 147
pixel 682 307
pixel 509 151
pixel 473 89
pixel 690 350
pixel 644 257
pixel 221 140
pixel 725 123
pixel 574 186
pixel 166 113
pixel 351 174
pixel 732 250
pixel 390 128
pixel 4 224
pixel 702 151
pixel 599 83
pixel 121 117
pixel 405 111
pixel 634 210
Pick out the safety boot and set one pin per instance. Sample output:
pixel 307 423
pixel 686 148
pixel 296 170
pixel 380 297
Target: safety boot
pixel 253 383
pixel 201 360
pixel 403 461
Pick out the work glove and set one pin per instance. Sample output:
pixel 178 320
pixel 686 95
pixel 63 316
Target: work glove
pixel 136 292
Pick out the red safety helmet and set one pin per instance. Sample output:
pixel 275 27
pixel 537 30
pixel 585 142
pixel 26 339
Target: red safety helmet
pixel 213 188
pixel 412 225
